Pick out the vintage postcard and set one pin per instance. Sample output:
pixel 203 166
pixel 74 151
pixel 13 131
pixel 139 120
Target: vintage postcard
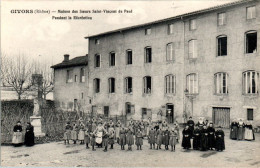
pixel 130 83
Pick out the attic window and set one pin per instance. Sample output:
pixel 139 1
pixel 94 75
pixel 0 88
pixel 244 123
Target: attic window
pixel 97 41
pixel 148 31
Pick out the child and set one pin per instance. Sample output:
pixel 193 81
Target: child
pixel 67 133
pixel 220 143
pixel 166 138
pixel 211 136
pixel 159 135
pixel 93 141
pixel 111 137
pixel 118 127
pixel 122 138
pixel 186 138
pixel 152 138
pixel 129 138
pixel 105 140
pixel 74 134
pixel 139 139
pixel 173 139
pixel 81 135
pixel 87 138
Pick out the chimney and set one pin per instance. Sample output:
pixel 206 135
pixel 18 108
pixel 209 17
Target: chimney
pixel 66 57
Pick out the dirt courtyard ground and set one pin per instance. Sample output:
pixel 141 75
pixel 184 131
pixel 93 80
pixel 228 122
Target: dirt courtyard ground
pixel 237 154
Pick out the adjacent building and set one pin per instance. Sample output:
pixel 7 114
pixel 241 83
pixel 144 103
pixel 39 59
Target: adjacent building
pixel 70 84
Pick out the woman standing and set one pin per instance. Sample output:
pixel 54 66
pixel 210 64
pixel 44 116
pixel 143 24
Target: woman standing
pixel 196 138
pixel 249 133
pixel 166 138
pixel 233 130
pixel 152 138
pixel 122 136
pixel 18 135
pixel 241 129
pixel 111 137
pixel 220 143
pixel 204 139
pixel 67 133
pixel 29 135
pixel 159 136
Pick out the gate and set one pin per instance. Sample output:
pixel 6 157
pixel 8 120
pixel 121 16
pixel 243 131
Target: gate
pixel 221 116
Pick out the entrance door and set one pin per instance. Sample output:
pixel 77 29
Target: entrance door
pixel 221 116
pixel 170 113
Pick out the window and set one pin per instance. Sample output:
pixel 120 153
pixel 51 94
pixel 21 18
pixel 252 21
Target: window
pixel 82 74
pixel 192 24
pixel 82 95
pixel 221 83
pixel 221 19
pixel 128 107
pixel 170 52
pixel 97 60
pixel 250 114
pixel 170 28
pixel 97 41
pixel 193 49
pixel 106 111
pixel 96 85
pixel 222 45
pixel 144 111
pixel 170 84
pixel 75 104
pixel 76 78
pixel 148 54
pixel 250 12
pixel 250 82
pixel 128 85
pixel 111 84
pixel 112 59
pixel 129 58
pixel 192 83
pixel 147 84
pixel 251 42
pixel 148 31
pixel 69 77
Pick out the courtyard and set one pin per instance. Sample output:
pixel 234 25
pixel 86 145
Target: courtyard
pixel 56 154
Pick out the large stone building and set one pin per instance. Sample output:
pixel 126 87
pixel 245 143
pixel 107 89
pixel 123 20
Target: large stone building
pixel 203 63
pixel 70 84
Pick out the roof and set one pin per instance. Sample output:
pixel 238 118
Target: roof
pixel 174 18
pixel 77 61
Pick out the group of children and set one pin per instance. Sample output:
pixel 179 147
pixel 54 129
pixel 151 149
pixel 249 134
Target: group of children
pixel 97 132
pixel 241 131
pixel 203 136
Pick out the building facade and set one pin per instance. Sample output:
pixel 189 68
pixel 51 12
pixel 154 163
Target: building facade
pixel 70 84
pixel 205 63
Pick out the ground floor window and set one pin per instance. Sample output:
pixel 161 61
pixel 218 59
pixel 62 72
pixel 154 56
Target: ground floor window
pixel 106 111
pixel 250 114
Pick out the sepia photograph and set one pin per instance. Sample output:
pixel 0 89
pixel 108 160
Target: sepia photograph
pixel 127 83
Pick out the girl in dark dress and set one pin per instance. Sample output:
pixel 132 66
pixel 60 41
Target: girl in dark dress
pixel 233 130
pixel 129 138
pixel 139 139
pixel 190 123
pixel 152 138
pixel 186 138
pixel 204 139
pixel 211 136
pixel 220 143
pixel 196 138
pixel 122 138
pixel 29 135
pixel 166 138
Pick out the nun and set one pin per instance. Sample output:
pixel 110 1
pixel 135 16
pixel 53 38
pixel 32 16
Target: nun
pixel 220 142
pixel 241 129
pixel 249 131
pixel 233 130
pixel 29 135
pixel 186 144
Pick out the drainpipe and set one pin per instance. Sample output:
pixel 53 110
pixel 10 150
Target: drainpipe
pixel 184 79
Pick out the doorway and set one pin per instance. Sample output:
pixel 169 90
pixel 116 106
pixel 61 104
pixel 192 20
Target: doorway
pixel 221 116
pixel 170 112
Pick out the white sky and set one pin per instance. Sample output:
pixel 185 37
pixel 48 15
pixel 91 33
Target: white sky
pixel 38 34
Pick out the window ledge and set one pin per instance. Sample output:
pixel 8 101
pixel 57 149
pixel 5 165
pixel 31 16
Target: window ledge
pixel 147 94
pixel 129 93
pixel 251 54
pixel 221 94
pixel 170 62
pixel 251 95
pixel 221 56
pixel 191 94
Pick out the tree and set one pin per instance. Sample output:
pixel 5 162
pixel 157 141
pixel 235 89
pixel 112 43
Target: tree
pixel 16 72
pixel 47 81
